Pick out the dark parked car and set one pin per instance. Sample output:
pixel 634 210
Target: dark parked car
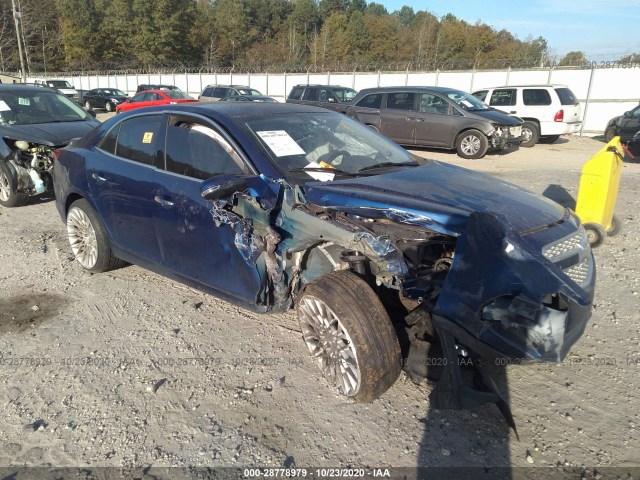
pixel 107 98
pixel 215 93
pixel 436 117
pixel 276 206
pixel 155 86
pixel 625 125
pixel 331 97
pixel 34 122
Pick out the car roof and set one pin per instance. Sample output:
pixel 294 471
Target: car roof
pixel 237 110
pixel 319 85
pixel 408 89
pixel 153 91
pixel 20 87
pixel 541 85
pixel 230 86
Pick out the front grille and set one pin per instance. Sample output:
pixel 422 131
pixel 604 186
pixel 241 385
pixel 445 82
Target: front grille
pixel 573 248
pixel 579 273
pixel 571 245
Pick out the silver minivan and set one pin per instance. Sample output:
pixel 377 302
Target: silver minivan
pixel 436 117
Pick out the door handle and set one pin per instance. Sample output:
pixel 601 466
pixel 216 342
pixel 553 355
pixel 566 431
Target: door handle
pixel 163 201
pixel 513 111
pixel 98 178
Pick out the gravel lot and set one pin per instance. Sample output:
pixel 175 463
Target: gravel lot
pixel 131 369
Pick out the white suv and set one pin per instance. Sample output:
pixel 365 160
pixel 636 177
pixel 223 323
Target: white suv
pixel 548 111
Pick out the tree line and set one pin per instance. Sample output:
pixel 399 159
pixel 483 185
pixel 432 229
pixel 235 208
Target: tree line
pixel 72 35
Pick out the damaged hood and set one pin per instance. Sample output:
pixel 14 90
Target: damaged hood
pixel 436 195
pixel 49 134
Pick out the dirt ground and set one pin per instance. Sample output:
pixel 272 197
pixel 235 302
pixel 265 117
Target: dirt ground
pixel 131 369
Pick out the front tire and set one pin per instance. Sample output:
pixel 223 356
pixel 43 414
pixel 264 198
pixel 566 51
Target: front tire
pixel 350 335
pixel 531 133
pixel 108 107
pixel 471 144
pixel 88 239
pixel 87 104
pixel 9 195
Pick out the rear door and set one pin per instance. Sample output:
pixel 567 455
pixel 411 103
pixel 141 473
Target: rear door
pixel 434 121
pixel 121 179
pixel 191 244
pixel 570 105
pixel 398 119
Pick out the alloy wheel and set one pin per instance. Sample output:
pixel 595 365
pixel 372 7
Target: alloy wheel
pixel 5 187
pixel 330 345
pixel 470 145
pixel 82 238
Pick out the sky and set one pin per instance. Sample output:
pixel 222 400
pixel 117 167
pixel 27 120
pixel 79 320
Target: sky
pixel 603 30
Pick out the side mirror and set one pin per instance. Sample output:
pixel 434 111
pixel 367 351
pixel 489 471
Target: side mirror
pixel 332 100
pixel 128 100
pixel 222 186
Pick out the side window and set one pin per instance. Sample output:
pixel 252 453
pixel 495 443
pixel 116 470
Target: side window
pixel 199 151
pixel 218 92
pixel 108 143
pixel 138 97
pixel 503 98
pixel 401 101
pixel 232 92
pixel 430 103
pixel 481 95
pixel 311 94
pixel 536 96
pixel 140 139
pixel 371 101
pixel 207 92
pixel 296 93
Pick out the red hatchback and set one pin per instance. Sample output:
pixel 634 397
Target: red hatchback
pixel 151 98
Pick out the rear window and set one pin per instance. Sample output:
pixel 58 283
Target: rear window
pixel 296 93
pixel 401 101
pixel 371 101
pixel 503 98
pixel 566 96
pixel 536 96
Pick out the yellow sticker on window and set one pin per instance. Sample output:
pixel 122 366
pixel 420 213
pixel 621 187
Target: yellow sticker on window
pixel 148 137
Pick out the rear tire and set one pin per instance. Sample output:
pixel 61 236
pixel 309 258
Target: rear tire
pixel 350 335
pixel 531 133
pixel 472 144
pixel 88 239
pixel 9 195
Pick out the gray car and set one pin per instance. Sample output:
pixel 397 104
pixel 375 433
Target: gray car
pixel 331 97
pixel 436 117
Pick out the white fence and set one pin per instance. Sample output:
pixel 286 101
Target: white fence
pixel 604 93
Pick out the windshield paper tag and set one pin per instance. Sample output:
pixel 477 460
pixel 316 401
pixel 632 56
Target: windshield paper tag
pixel 280 143
pixel 4 107
pixel 24 101
pixel 320 176
pixel 148 137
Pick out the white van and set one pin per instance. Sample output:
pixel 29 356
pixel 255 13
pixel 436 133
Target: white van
pixel 548 111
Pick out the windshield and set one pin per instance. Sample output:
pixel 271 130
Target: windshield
pixel 249 92
pixel 467 101
pixel 316 146
pixel 345 94
pixel 114 92
pixel 177 94
pixel 59 84
pixel 30 108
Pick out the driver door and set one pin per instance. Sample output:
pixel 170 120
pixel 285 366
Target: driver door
pixel 191 245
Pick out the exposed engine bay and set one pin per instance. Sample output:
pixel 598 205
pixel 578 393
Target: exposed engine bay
pixel 32 164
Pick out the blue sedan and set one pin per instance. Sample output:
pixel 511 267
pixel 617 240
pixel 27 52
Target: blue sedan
pixel 279 206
